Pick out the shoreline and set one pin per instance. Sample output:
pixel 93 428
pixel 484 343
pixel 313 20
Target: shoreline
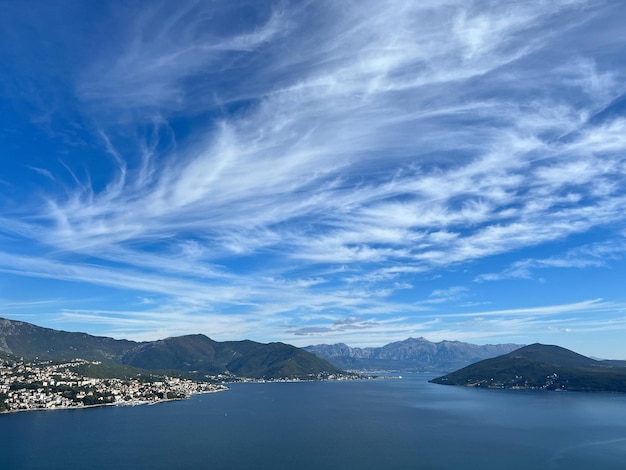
pixel 221 388
pixel 119 403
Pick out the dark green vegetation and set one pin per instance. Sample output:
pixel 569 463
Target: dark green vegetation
pixel 118 371
pixel 27 340
pixel 541 367
pixel 193 354
pixel 240 358
pixel 413 354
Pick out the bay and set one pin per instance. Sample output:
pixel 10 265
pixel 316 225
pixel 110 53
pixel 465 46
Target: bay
pixel 392 423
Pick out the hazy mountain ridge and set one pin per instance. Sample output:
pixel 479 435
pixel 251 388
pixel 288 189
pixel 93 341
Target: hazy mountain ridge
pixel 410 354
pixel 183 353
pixel 543 367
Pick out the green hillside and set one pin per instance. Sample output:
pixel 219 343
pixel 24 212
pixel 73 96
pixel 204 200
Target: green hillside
pixel 195 354
pixel 541 367
pixel 241 358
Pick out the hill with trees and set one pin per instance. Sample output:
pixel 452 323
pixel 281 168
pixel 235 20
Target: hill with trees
pixel 541 367
pixel 190 353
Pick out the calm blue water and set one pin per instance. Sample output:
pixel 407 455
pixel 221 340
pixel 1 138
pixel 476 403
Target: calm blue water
pixel 393 424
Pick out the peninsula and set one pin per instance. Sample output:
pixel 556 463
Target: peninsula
pixel 541 367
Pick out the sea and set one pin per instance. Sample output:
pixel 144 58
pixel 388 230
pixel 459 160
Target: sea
pixel 390 423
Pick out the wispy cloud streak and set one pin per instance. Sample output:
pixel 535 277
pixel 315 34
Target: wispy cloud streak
pixel 312 158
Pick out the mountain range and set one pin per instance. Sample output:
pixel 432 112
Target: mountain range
pixel 542 367
pixel 190 353
pixel 412 354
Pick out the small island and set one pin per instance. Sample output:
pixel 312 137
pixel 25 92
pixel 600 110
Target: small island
pixel 541 367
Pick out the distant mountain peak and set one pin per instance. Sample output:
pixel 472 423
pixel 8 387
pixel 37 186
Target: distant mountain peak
pixel 409 354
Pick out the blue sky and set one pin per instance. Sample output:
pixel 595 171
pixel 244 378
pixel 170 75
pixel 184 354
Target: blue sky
pixel 316 172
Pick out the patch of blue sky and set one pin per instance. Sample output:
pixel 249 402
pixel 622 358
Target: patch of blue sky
pixel 359 172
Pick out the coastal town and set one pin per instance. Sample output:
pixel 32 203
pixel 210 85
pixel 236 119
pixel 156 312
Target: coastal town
pixel 48 385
